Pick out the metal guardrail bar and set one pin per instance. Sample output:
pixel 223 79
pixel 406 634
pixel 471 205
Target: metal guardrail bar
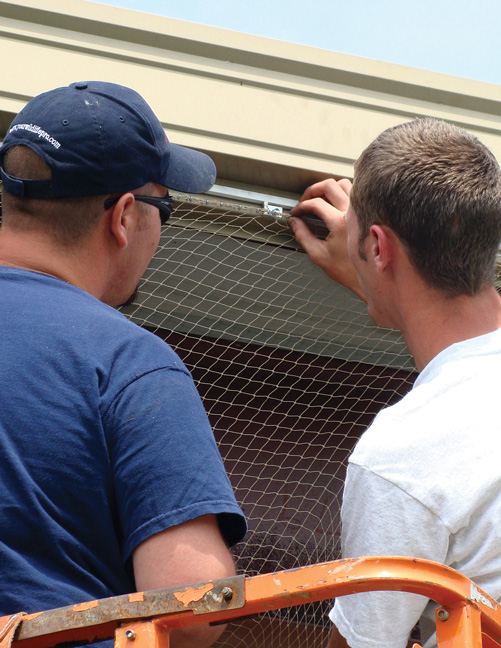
pixel 467 614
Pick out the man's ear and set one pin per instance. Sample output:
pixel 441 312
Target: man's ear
pixel 381 242
pixel 121 219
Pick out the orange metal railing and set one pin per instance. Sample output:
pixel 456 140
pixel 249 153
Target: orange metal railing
pixel 466 617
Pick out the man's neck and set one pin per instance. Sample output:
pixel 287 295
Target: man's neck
pixel 440 322
pixel 35 252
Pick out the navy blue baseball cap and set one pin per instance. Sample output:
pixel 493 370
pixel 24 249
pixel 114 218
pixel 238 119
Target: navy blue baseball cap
pixel 100 138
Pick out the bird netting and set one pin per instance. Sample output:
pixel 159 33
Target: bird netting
pixel 290 370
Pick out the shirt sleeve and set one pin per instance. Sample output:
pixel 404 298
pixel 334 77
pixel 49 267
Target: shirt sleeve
pixel 378 518
pixel 166 465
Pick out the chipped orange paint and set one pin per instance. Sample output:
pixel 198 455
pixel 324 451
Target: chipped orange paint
pixel 192 594
pixel 136 597
pixel 81 607
pixel 33 615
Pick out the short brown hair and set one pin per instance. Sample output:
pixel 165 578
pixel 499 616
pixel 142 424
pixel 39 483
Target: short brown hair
pixel 69 220
pixel 439 189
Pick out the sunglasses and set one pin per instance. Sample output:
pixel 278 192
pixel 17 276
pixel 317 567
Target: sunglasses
pixel 164 204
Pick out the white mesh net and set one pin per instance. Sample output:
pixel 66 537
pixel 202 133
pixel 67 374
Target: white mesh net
pixel 290 370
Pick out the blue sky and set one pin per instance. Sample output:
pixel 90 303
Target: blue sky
pixel 458 37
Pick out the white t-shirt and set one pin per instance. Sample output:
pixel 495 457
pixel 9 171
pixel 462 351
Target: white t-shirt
pixel 425 480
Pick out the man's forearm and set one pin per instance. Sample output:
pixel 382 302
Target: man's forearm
pixel 199 636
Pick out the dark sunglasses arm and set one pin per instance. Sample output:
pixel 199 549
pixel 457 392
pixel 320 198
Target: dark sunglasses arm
pixel 165 205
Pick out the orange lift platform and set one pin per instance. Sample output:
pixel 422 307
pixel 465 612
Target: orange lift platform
pixel 466 617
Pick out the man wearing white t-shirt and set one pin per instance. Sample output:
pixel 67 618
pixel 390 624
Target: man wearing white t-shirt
pixel 416 237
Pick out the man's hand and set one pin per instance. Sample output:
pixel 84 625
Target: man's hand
pixel 188 553
pixel 329 200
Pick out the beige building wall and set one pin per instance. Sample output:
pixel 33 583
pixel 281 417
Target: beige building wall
pixel 272 114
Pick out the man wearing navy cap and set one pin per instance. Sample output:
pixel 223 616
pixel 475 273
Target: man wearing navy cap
pixel 111 479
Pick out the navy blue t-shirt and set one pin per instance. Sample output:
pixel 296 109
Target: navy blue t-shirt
pixel 103 443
